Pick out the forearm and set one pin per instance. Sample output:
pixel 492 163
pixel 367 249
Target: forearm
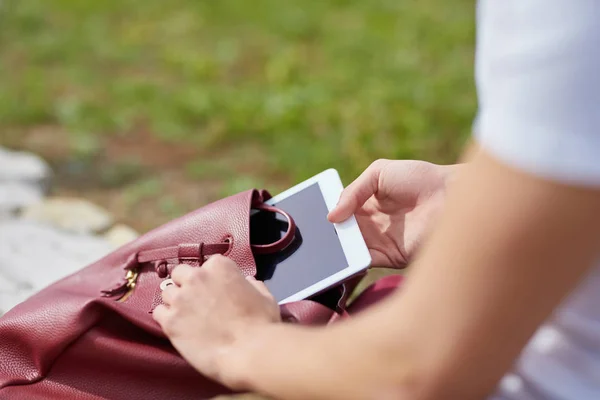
pixel 508 248
pixel 494 269
pixel 346 361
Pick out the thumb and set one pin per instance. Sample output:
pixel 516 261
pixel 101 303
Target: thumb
pixel 358 192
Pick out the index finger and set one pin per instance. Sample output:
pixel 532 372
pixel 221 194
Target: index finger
pixel 358 192
pixel 181 274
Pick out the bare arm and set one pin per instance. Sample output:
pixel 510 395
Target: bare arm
pixel 508 248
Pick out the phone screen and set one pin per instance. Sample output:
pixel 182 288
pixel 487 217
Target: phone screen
pixel 315 253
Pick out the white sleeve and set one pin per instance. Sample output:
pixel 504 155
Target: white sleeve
pixel 538 81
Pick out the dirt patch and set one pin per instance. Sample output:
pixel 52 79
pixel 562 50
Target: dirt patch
pixel 149 150
pixel 142 180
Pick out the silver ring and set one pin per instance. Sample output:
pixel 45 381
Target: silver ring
pixel 166 283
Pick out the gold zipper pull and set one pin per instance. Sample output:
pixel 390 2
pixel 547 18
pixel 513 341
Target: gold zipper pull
pixel 131 278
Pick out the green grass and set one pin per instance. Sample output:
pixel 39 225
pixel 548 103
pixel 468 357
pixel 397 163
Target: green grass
pixel 312 84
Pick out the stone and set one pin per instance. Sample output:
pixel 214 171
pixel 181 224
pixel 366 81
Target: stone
pixel 33 255
pixel 70 214
pixel 120 234
pixel 23 167
pixel 4 214
pixel 15 196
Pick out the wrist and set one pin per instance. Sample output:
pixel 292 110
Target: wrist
pixel 239 362
pixel 451 172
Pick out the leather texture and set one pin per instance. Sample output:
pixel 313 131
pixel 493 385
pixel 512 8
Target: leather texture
pixel 77 339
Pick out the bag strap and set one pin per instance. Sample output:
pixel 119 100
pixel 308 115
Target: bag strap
pixel 286 239
pixel 195 251
pixel 198 252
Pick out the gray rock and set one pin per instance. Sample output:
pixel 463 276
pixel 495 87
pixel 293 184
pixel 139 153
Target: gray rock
pixel 5 214
pixel 70 214
pixel 33 256
pixel 16 166
pixel 120 234
pixel 16 195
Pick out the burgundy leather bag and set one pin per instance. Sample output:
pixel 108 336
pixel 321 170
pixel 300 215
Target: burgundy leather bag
pixel 92 336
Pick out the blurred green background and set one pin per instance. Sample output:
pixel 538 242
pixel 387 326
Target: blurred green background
pixel 152 108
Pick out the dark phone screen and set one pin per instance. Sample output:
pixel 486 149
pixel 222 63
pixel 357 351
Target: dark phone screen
pixel 315 253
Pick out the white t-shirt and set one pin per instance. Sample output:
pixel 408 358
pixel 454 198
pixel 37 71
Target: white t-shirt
pixel 538 82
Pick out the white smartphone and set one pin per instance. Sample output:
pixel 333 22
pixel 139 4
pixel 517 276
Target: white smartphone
pixel 322 254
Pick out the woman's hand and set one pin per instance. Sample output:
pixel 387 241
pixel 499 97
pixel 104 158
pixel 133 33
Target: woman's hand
pixel 211 312
pixel 395 203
